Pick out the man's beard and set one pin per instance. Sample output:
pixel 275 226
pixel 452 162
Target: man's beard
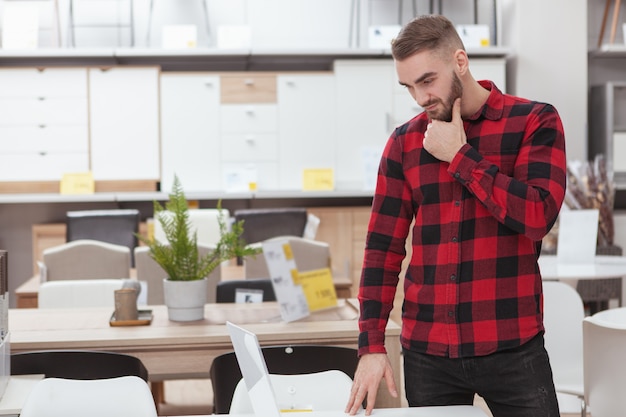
pixel 445 114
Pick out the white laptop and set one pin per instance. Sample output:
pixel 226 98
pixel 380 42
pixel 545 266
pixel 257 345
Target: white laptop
pixel 261 393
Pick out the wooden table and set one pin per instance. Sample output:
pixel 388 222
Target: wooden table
pixel 178 350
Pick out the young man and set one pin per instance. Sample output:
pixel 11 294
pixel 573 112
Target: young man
pixel 483 176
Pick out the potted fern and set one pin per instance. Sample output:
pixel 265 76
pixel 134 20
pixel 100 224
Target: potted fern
pixel 185 286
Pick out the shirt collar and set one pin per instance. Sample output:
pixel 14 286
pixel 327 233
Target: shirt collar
pixel 494 106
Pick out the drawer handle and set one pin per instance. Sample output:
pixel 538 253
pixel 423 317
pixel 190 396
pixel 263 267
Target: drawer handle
pixel 250 140
pixel 248 81
pixel 250 111
pixel 43 153
pixel 41 98
pixel 42 126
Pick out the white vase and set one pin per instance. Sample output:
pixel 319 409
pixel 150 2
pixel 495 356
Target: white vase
pixel 185 300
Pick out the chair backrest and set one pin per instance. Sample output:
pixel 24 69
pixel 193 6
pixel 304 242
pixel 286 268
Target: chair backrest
pixel 318 391
pixel 116 226
pixel 308 254
pixel 86 259
pixel 261 224
pixel 78 293
pixel 604 366
pixel 563 314
pixel 203 221
pixel 283 360
pixel 126 396
pixel 226 291
pixel 77 364
pixel 149 271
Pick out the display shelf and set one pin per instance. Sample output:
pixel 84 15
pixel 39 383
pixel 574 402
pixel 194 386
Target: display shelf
pixel 210 59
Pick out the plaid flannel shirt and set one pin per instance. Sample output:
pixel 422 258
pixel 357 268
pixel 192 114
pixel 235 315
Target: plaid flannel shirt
pixel 473 286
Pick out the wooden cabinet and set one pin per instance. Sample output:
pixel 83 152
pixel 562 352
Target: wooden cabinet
pixel 43 123
pixel 306 123
pixel 124 115
pixel 190 145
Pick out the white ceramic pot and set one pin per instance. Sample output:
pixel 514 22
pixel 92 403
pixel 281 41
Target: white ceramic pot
pixel 185 300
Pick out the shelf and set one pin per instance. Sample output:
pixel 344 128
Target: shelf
pixel 209 59
pixel 609 51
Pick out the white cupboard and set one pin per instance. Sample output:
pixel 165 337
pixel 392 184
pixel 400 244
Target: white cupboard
pixel 306 123
pixel 190 135
pixel 43 123
pixel 124 115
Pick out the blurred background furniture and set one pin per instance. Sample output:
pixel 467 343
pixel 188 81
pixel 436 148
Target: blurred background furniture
pixel 205 14
pixel 226 291
pixel 309 255
pixel 129 24
pixel 563 314
pixel 126 396
pixel 86 259
pixel 284 360
pixel 203 221
pixel 604 344
pixel 317 391
pixel 77 364
pixel 262 224
pixel 597 293
pixel 149 271
pixel 79 293
pixel 118 227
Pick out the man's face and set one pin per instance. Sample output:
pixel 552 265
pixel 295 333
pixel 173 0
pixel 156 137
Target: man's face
pixel 432 83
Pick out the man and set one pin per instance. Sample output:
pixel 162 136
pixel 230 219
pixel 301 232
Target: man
pixel 483 176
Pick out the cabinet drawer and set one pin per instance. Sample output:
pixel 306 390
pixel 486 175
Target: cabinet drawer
pixel 44 139
pixel 41 167
pixel 249 118
pixel 253 88
pixel 32 82
pixel 249 147
pixel 30 111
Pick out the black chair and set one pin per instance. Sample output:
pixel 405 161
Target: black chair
pixel 226 290
pixel 77 364
pixel 284 360
pixel 262 224
pixel 113 226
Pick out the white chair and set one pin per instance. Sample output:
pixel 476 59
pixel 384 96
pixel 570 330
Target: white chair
pixel 604 344
pixel 319 391
pixel 86 259
pixel 308 254
pixel 127 396
pixel 563 314
pixel 149 271
pixel 79 293
pixel 203 221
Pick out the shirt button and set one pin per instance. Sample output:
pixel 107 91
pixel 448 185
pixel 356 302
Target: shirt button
pixel 454 239
pixel 452 277
pixel 457 175
pixel 450 313
pixel 457 203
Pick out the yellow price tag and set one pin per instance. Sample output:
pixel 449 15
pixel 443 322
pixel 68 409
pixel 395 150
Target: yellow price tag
pixel 78 183
pixel 287 251
pixel 319 288
pixel 318 179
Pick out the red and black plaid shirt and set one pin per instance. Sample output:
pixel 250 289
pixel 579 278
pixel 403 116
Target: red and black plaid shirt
pixel 473 285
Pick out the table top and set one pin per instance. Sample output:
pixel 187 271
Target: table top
pixel 614 317
pixel 447 411
pixel 88 328
pixel 603 266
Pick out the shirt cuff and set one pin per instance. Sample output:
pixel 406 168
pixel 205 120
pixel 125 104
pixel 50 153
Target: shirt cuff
pixel 463 163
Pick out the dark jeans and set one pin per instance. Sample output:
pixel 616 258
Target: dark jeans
pixel 514 383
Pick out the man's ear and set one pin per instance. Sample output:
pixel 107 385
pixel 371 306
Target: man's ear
pixel 461 62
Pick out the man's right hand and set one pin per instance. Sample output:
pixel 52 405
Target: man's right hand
pixel 372 368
